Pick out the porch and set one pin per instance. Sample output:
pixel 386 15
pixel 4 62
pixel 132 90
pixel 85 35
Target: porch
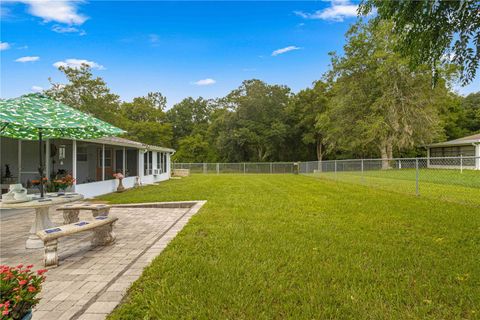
pixel 92 163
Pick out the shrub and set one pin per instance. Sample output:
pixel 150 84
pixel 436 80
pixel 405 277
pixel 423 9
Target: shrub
pixel 19 288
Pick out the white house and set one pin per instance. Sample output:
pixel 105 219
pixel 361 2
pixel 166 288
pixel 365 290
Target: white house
pixel 466 150
pixel 91 162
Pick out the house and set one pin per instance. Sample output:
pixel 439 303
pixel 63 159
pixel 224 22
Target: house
pixel 91 162
pixel 466 151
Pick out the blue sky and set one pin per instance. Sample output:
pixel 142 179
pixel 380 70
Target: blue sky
pixel 178 48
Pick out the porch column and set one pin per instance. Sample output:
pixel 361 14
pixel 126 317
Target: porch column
pixel 140 163
pixel 19 164
pixel 47 158
pixel 124 164
pixel 103 162
pixel 74 163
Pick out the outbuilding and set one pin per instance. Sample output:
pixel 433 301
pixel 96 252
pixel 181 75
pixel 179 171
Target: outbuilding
pixel 463 152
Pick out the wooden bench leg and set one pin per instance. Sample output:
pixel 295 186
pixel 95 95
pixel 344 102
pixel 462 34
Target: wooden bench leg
pixel 102 212
pixel 103 236
pixel 51 256
pixel 70 216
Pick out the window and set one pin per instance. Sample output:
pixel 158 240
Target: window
pixel 159 161
pixel 82 154
pixel 108 158
pixel 147 163
pixel 164 162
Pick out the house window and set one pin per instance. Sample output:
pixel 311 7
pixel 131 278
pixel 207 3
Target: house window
pixel 82 154
pixel 164 162
pixel 147 163
pixel 159 161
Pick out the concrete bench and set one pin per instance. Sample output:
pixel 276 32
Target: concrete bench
pixel 102 227
pixel 71 211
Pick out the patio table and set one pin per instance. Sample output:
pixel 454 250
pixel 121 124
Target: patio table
pixel 42 218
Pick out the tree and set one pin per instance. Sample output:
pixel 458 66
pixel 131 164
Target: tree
pixel 145 120
pixel 252 126
pixel 190 116
pixel 377 102
pixel 430 30
pixel 303 110
pixel 86 93
pixel 194 148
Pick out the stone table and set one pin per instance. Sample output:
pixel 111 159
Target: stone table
pixel 42 219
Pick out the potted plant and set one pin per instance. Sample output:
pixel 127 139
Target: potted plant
pixel 36 183
pixel 64 183
pixel 19 288
pixel 120 177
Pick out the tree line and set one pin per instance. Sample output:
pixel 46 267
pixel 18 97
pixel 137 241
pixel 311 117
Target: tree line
pixel 371 103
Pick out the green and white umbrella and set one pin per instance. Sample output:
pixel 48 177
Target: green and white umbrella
pixel 36 117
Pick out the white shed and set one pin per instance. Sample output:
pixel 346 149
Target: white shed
pixel 464 152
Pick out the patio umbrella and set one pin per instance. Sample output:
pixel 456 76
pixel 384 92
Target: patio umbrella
pixel 37 117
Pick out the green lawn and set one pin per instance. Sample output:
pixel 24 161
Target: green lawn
pixel 450 185
pixel 286 246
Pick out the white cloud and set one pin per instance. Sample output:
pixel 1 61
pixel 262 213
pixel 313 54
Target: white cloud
pixel 205 82
pixel 4 46
pixel 338 11
pixel 63 11
pixel 37 89
pixel 28 59
pixel 60 29
pixel 77 63
pixel 284 50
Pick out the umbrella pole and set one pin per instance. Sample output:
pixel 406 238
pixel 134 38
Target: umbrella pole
pixel 40 169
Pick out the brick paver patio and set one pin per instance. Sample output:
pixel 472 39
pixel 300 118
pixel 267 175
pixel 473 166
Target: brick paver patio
pixel 90 282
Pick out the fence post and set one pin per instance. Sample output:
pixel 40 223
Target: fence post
pixel 271 171
pixel 335 169
pixel 417 191
pixel 204 168
pixel 218 168
pixel 244 171
pixel 363 180
pixel 461 163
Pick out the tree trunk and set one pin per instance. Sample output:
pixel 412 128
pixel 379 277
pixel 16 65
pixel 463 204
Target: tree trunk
pixel 319 149
pixel 386 152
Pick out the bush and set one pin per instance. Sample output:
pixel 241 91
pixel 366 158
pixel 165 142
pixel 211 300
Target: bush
pixel 19 288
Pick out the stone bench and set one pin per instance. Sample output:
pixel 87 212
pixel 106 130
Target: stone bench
pixel 71 211
pixel 102 227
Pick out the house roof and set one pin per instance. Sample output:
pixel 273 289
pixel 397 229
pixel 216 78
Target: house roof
pixel 129 143
pixel 461 141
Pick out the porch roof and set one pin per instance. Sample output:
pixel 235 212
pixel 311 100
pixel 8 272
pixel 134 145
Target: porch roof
pixel 117 141
pixel 468 140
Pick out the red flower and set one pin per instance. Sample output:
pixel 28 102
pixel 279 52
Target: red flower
pixel 30 266
pixel 22 282
pixel 19 266
pixel 41 271
pixel 31 289
pixel 5 312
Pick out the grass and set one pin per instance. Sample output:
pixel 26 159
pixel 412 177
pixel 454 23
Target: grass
pixel 286 246
pixel 449 185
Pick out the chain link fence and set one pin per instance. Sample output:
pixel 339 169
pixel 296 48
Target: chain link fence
pixel 242 167
pixel 449 178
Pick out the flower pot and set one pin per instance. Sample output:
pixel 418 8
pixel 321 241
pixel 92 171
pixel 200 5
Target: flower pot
pixel 120 187
pixel 28 315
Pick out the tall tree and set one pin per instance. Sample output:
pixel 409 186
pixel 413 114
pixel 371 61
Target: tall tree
pixel 429 30
pixel 376 99
pixel 190 116
pixel 303 110
pixel 253 125
pixel 145 120
pixel 87 93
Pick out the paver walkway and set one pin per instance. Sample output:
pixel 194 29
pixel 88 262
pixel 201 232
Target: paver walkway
pixel 89 283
